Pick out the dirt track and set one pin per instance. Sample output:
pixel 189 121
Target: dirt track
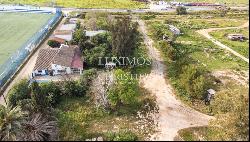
pixel 173 115
pixel 205 33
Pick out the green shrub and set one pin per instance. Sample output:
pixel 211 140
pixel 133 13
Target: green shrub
pixel 148 17
pixel 54 44
pixel 19 92
pixel 124 135
pixel 74 88
pixel 92 55
pixel 193 81
pixel 39 99
pixel 181 10
pixel 52 91
pixel 125 90
pixel 87 77
pixel 168 50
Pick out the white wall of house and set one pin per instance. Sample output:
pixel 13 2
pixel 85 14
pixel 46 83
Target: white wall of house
pixel 39 72
pixel 57 68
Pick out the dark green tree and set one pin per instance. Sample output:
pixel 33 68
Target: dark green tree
pixel 181 10
pixel 125 36
pixel 19 92
pixel 53 43
pixel 39 98
pixel 10 123
pixel 124 90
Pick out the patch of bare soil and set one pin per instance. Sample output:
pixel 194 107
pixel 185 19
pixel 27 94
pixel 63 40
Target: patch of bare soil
pixel 173 115
pixel 229 75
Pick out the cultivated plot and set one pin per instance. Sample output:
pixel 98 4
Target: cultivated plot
pixel 129 4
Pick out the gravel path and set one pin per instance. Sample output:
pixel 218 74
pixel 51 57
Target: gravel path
pixel 173 115
pixel 205 33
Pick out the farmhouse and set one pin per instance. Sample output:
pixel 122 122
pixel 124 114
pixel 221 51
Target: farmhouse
pixel 236 36
pixel 64 60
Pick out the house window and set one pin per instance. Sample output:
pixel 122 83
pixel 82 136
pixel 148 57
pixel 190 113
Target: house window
pixel 40 71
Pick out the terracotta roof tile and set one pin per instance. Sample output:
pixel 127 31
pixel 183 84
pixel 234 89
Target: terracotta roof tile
pixel 45 58
pixel 66 56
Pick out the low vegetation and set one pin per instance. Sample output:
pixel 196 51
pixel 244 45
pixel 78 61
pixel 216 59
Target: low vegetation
pixel 191 60
pixel 241 47
pixel 228 2
pixel 130 4
pixel 231 110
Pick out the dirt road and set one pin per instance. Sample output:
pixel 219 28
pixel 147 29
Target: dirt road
pixel 205 33
pixel 173 115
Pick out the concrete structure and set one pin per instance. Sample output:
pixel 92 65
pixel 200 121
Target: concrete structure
pixel 67 27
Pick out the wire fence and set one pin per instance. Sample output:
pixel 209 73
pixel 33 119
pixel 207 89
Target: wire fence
pixel 9 68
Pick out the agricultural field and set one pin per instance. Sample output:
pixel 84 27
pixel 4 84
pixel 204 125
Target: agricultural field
pixel 202 50
pixel 229 2
pixel 241 47
pixel 129 4
pixel 16 29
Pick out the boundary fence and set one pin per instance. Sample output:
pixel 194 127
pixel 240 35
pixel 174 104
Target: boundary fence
pixel 11 66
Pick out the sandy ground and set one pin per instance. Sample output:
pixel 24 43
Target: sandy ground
pixel 26 71
pixel 205 33
pixel 173 115
pixel 229 75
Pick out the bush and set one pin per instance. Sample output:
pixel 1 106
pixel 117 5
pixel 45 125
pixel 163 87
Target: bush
pixel 148 17
pixel 193 81
pixel 92 55
pixel 54 44
pixel 124 91
pixel 19 92
pixel 168 50
pixel 124 135
pixel 74 88
pixel 39 99
pixel 87 77
pixel 180 10
pixel 53 92
pixel 231 107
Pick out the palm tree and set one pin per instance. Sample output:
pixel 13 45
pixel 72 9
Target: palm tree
pixel 39 128
pixel 10 122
